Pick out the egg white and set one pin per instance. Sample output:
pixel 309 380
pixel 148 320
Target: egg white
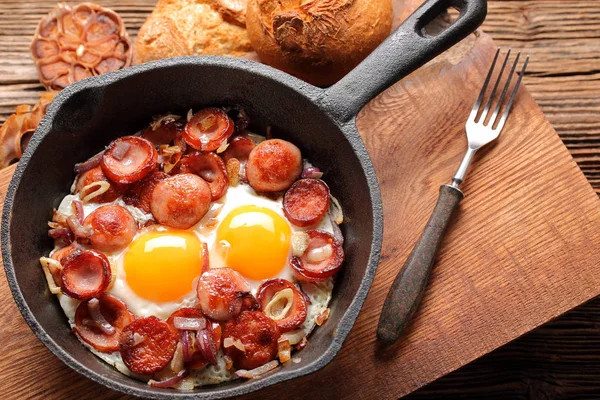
pixel 240 195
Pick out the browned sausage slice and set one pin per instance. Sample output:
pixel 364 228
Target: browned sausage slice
pixel 221 293
pixel 180 201
pixel 85 274
pixel 210 167
pixel 322 258
pixel 208 129
pixel 288 312
pixel 139 193
pixel 96 175
pixel 163 130
pixel 257 333
pixel 129 159
pixel 273 165
pixel 147 345
pixel 114 228
pixel 113 312
pixel 306 202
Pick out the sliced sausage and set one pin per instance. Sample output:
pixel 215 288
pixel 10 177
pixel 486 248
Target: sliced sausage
pixel 273 165
pixel 163 131
pixel 180 201
pixel 96 175
pixel 85 274
pixel 113 228
pixel 239 148
pixel 129 159
pixel 139 193
pixel 322 258
pixel 113 311
pixel 209 167
pixel 258 334
pixel 208 129
pixel 281 301
pixel 306 202
pixel 147 345
pixel 223 293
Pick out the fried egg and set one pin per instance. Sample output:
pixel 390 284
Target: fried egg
pixel 156 273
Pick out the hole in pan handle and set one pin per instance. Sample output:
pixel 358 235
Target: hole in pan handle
pixel 405 50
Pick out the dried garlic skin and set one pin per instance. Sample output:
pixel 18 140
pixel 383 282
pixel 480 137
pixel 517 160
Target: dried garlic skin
pixel 74 43
pixel 18 128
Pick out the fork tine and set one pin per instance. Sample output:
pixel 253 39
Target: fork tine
pixel 489 102
pixel 475 108
pixel 501 99
pixel 512 96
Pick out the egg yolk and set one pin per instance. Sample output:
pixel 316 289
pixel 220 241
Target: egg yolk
pixel 161 266
pixel 255 241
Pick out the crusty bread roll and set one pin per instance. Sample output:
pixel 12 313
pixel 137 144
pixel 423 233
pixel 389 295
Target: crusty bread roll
pixel 193 27
pixel 318 41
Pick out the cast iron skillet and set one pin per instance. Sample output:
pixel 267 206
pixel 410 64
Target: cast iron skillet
pixel 86 116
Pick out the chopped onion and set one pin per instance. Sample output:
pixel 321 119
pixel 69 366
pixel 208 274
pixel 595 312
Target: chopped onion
pixel 237 343
pixel 302 343
pixel 159 120
pixel 337 232
pixel 167 383
pixel 294 337
pixel 85 166
pixel 59 217
pixel 137 339
pixel 120 150
pixel 228 362
pixel 222 147
pixel 256 372
pixel 78 229
pixel 284 350
pixel 319 254
pixel 61 233
pixel 244 301
pixel 46 263
pixel 189 324
pixel 321 318
pixel 190 114
pixel 335 210
pixel 296 360
pixel 184 338
pixel 311 172
pixel 101 322
pixel 177 360
pixel 78 210
pixel 280 304
pixel 207 346
pixel 300 242
pixel 101 188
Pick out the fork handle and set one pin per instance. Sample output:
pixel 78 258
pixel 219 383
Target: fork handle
pixel 408 287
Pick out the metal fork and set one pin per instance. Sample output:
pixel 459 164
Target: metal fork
pixel 408 287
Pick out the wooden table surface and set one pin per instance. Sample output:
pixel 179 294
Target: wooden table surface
pixel 561 358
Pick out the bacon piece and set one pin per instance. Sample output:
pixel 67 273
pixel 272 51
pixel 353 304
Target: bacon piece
pixel 154 348
pixel 258 334
pixel 288 313
pixel 209 167
pixel 139 193
pixel 114 311
pixel 273 165
pixel 306 202
pixel 208 129
pixel 129 159
pixel 85 274
pixel 96 175
pixel 322 258
pixel 222 293
pixel 180 201
pixel 113 228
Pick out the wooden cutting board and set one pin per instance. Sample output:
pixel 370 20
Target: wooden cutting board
pixel 523 248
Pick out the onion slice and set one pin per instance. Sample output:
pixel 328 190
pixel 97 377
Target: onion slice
pixel 120 150
pixel 101 322
pixel 78 210
pixel 256 372
pixel 207 346
pixel 92 163
pixel 167 383
pixel 184 338
pixel 189 324
pixel 237 343
pixel 61 233
pixel 79 230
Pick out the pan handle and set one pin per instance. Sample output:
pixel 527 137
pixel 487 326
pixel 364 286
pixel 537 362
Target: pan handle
pixel 405 50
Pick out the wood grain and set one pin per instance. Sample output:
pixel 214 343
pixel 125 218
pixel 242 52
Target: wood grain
pixel 512 270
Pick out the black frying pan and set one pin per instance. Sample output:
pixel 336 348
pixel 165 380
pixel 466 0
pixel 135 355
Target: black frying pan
pixel 86 116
